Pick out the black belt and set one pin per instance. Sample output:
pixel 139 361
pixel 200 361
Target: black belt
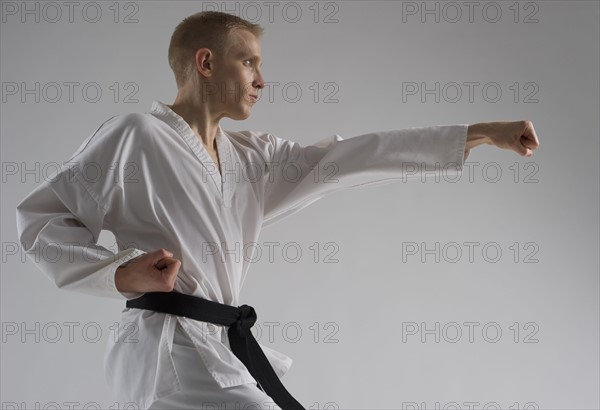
pixel 242 341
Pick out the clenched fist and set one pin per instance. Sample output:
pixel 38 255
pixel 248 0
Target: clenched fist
pixel 151 272
pixel 518 136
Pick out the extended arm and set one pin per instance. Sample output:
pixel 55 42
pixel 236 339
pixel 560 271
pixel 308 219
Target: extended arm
pixel 303 174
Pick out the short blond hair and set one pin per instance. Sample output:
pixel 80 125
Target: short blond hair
pixel 208 29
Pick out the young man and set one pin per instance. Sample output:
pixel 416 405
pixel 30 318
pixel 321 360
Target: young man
pixel 180 194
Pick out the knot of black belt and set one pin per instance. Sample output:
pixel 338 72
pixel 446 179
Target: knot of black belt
pixel 243 344
pixel 246 320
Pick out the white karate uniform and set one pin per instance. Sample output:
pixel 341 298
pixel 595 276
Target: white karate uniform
pixel 149 180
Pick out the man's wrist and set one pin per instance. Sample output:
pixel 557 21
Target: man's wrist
pixel 477 135
pixel 120 277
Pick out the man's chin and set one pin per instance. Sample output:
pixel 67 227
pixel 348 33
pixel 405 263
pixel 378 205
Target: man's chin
pixel 239 116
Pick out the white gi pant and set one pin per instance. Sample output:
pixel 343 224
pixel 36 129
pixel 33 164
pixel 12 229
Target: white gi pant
pixel 199 391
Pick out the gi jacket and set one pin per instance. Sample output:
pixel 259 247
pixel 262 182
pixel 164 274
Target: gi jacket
pixel 149 180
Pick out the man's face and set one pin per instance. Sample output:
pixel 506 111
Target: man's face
pixel 237 76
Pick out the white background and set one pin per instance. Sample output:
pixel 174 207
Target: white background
pixel 546 206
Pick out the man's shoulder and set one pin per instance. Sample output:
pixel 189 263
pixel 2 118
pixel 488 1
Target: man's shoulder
pixel 260 141
pixel 253 136
pixel 116 136
pixel 130 121
pixel 129 126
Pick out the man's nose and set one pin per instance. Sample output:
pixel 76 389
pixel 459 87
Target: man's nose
pixel 259 81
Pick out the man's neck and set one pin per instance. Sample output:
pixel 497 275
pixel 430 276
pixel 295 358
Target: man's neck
pixel 199 121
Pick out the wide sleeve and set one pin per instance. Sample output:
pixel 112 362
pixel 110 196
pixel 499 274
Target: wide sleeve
pixel 59 222
pixel 300 175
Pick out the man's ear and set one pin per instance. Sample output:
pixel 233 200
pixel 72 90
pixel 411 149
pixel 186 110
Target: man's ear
pixel 203 61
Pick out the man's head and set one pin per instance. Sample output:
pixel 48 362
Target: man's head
pixel 209 53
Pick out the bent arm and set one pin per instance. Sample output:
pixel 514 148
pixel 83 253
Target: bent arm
pixel 62 242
